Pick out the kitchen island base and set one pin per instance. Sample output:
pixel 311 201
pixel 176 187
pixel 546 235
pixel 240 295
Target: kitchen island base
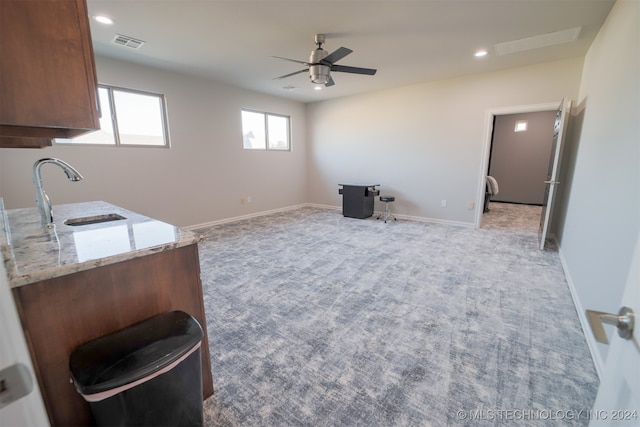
pixel 61 313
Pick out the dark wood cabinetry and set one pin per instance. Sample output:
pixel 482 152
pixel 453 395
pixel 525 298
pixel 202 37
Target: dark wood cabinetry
pixel 48 85
pixel 62 313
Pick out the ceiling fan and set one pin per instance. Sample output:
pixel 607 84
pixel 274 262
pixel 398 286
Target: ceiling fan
pixel 321 63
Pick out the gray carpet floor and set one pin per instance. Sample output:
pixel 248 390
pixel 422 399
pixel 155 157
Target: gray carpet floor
pixel 319 320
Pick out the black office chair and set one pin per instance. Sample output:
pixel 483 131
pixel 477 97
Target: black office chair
pixel 386 214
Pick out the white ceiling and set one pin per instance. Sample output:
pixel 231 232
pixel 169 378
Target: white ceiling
pixel 408 42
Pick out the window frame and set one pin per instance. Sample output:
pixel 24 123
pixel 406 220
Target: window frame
pixel 266 130
pixel 114 122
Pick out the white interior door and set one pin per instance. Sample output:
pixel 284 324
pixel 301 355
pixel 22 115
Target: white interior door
pixel 559 134
pixel 28 410
pixel 618 399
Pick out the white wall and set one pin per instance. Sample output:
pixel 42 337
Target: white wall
pixel 204 175
pixel 423 143
pixel 601 213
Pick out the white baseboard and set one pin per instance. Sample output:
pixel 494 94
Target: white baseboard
pixel 584 321
pixel 242 217
pixel 400 216
pixel 435 220
pixel 315 205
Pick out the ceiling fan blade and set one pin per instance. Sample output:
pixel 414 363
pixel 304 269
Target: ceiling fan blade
pixel 292 60
pixel 291 74
pixel 337 55
pixel 330 82
pixel 354 70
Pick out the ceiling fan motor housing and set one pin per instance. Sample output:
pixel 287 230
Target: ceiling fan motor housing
pixel 318 73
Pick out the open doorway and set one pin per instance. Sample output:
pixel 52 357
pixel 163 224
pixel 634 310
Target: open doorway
pixel 516 153
pixel 521 146
pixel 519 156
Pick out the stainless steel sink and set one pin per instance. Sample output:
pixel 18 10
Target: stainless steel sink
pixel 97 219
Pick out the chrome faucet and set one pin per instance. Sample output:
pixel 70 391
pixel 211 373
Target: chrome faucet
pixel 44 204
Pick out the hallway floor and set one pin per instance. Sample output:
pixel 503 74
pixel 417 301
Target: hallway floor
pixel 511 216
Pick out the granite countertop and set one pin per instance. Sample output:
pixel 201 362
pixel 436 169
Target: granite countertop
pixel 32 254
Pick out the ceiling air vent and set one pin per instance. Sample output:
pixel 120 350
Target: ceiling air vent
pixel 127 41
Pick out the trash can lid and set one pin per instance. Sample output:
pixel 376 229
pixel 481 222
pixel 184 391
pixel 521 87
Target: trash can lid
pixel 133 353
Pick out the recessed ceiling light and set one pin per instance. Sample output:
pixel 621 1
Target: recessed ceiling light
pixel 103 19
pixel 480 53
pixel 521 126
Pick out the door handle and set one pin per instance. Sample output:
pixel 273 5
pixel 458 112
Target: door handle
pixel 624 321
pixel 552 182
pixel 15 383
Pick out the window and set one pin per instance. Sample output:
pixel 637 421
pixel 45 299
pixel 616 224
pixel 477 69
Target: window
pixel 129 118
pixel 265 131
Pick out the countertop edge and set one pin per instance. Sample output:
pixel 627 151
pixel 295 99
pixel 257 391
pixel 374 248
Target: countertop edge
pixel 16 281
pixel 18 278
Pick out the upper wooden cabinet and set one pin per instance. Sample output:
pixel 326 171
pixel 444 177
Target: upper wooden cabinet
pixel 48 84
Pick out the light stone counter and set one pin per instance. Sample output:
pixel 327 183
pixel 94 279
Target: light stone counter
pixel 32 254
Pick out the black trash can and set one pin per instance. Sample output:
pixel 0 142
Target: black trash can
pixel 148 374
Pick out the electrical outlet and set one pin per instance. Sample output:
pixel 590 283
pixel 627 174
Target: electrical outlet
pixel 248 199
pixel 471 205
pixel 443 203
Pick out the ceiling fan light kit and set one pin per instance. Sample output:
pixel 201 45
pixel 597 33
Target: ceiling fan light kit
pixel 319 74
pixel 321 63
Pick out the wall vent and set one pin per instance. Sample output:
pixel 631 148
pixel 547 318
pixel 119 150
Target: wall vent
pixel 536 42
pixel 127 41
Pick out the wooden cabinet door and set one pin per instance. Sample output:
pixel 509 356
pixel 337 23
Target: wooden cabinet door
pixel 48 81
